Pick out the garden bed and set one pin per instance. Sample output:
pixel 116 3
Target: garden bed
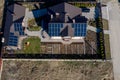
pixel 80 4
pixel 107 46
pixel 35 28
pixel 33 25
pixel 105 24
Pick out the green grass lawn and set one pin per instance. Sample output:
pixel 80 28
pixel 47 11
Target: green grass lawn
pixel 34 46
pixel 107 46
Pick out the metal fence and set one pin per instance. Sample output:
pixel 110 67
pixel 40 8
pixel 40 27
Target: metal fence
pixel 50 0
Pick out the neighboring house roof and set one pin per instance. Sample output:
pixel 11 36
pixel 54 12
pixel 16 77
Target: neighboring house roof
pixel 15 14
pixel 65 12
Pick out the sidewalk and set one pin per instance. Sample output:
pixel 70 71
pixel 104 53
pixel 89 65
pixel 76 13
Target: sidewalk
pixel 114 26
pixel 95 29
pixel 1 64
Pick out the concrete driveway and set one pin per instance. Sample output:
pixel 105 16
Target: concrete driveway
pixel 114 26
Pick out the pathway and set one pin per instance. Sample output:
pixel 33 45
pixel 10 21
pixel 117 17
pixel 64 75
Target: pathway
pixel 95 29
pixel 114 26
pixel 33 33
pixel 1 66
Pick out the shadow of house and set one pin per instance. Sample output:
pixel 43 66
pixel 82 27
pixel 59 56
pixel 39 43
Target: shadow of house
pixel 39 13
pixel 67 31
pixel 80 19
pixel 40 16
pixel 20 20
pixel 36 6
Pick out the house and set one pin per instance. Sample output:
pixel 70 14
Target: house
pixel 66 21
pixel 14 24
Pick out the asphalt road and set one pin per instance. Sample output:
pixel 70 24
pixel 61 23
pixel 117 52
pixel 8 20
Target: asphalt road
pixel 114 26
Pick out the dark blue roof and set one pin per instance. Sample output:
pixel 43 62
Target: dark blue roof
pixel 54 29
pixel 18 27
pixel 72 29
pixel 39 13
pixel 80 29
pixel 13 40
pixel 15 14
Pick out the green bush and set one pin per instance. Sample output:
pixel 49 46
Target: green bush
pixel 84 4
pixel 31 22
pixel 34 28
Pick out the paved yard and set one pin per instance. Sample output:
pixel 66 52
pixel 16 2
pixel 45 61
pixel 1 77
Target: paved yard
pixel 59 48
pixel 105 13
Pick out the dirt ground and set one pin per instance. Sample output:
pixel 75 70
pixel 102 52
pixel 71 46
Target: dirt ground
pixel 56 70
pixel 91 42
pixel 1 11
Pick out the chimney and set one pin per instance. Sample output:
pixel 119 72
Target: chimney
pixel 51 16
pixel 73 20
pixel 57 14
